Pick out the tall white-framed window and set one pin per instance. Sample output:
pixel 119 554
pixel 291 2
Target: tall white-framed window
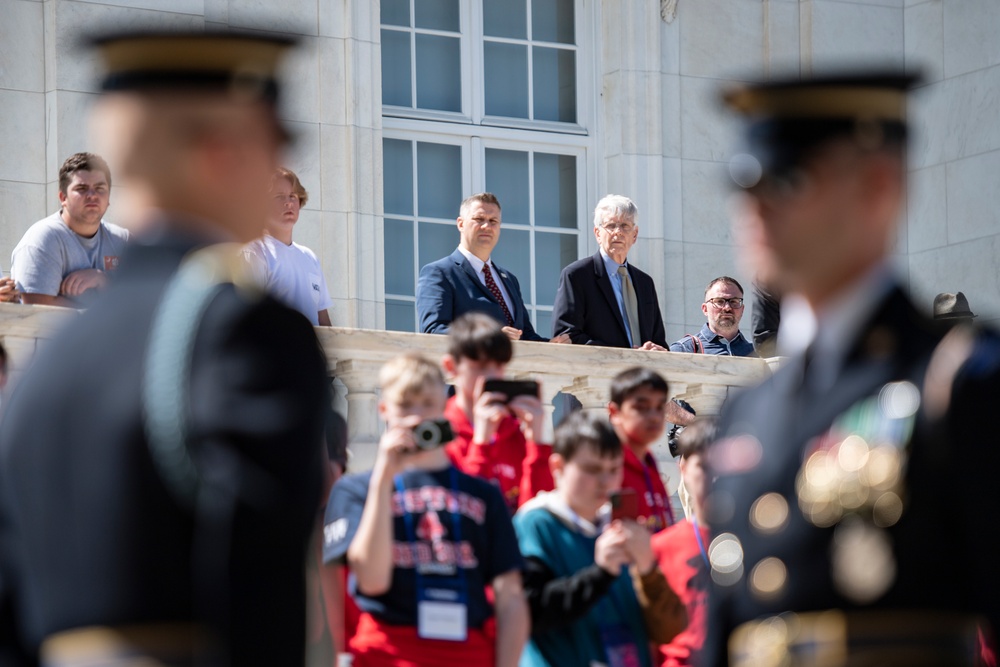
pixel 484 95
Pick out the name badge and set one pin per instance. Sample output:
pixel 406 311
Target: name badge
pixel 441 614
pixel 619 646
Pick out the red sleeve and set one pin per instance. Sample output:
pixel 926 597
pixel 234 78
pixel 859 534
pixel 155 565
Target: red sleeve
pixel 478 460
pixel 535 473
pixel 471 458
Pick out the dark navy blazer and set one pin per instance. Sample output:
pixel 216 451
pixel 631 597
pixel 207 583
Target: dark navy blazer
pixel 937 550
pixel 450 287
pixel 587 310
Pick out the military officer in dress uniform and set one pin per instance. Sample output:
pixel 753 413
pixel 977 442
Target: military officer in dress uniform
pixel 856 504
pixel 160 462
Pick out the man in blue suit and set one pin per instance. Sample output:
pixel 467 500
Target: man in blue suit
pixel 467 281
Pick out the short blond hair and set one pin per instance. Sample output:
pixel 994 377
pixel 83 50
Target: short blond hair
pixel 407 376
pixel 298 189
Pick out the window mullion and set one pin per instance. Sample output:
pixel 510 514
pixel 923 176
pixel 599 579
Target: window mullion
pixel 582 198
pixel 474 89
pixel 531 225
pixel 477 163
pixel 413 59
pixel 531 63
pixel 414 220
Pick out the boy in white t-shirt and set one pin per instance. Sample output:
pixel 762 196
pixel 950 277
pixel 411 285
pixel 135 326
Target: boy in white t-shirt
pixel 289 271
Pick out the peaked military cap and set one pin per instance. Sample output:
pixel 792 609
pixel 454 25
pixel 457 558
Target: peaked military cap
pixel 789 118
pixel 238 64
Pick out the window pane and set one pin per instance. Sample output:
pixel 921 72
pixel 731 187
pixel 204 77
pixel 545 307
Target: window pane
pixel 439 73
pixel 400 315
pixel 555 191
pixel 437 14
pixel 513 254
pixel 397 177
pixel 507 178
pixel 437 240
pixel 505 18
pixel 552 21
pixel 396 68
pixel 506 71
pixel 552 253
pixel 543 322
pixel 396 12
pixel 439 181
pixel 398 244
pixel 554 84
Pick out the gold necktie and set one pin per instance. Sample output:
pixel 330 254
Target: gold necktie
pixel 631 306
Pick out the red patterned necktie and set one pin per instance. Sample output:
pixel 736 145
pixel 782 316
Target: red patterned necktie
pixel 491 285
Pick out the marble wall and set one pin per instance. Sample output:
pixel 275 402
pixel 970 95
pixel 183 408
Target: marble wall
pixel 331 104
pixel 661 135
pixel 953 221
pixel 950 233
pixel 23 132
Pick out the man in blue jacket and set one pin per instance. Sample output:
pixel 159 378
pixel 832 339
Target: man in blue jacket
pixel 723 309
pixel 467 280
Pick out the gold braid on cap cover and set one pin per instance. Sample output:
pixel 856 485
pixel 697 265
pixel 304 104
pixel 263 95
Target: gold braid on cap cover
pixel 820 102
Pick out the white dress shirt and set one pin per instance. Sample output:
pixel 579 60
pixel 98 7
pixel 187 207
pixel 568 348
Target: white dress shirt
pixel 477 266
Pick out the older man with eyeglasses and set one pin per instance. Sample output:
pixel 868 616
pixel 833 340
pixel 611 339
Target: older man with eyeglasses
pixel 723 308
pixel 604 299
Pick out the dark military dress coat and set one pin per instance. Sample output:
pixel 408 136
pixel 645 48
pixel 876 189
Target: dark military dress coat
pixel 89 533
pixel 879 493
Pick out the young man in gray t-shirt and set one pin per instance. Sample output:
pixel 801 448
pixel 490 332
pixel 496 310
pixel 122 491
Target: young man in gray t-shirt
pixel 62 257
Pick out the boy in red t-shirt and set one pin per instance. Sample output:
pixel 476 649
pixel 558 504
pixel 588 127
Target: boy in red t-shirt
pixel 638 410
pixel 682 551
pixel 496 439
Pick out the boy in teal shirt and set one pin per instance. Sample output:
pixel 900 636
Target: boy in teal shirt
pixel 584 610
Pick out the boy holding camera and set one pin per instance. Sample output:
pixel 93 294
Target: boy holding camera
pixel 497 432
pixel 584 610
pixel 423 540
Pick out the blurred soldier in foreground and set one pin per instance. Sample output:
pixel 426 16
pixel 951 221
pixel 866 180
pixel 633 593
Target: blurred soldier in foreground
pixel 854 514
pixel 157 518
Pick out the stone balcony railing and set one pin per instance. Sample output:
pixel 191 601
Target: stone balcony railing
pixel 355 356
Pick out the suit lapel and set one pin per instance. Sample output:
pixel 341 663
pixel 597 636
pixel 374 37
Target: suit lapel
pixel 796 415
pixel 465 266
pixel 817 411
pixel 888 348
pixel 604 286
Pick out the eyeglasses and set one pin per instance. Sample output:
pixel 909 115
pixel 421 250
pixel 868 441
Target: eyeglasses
pixel 720 303
pixel 623 227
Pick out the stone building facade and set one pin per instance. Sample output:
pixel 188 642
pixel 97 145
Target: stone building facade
pixel 401 108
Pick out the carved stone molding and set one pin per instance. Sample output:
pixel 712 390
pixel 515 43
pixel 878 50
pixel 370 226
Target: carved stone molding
pixel 668 10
